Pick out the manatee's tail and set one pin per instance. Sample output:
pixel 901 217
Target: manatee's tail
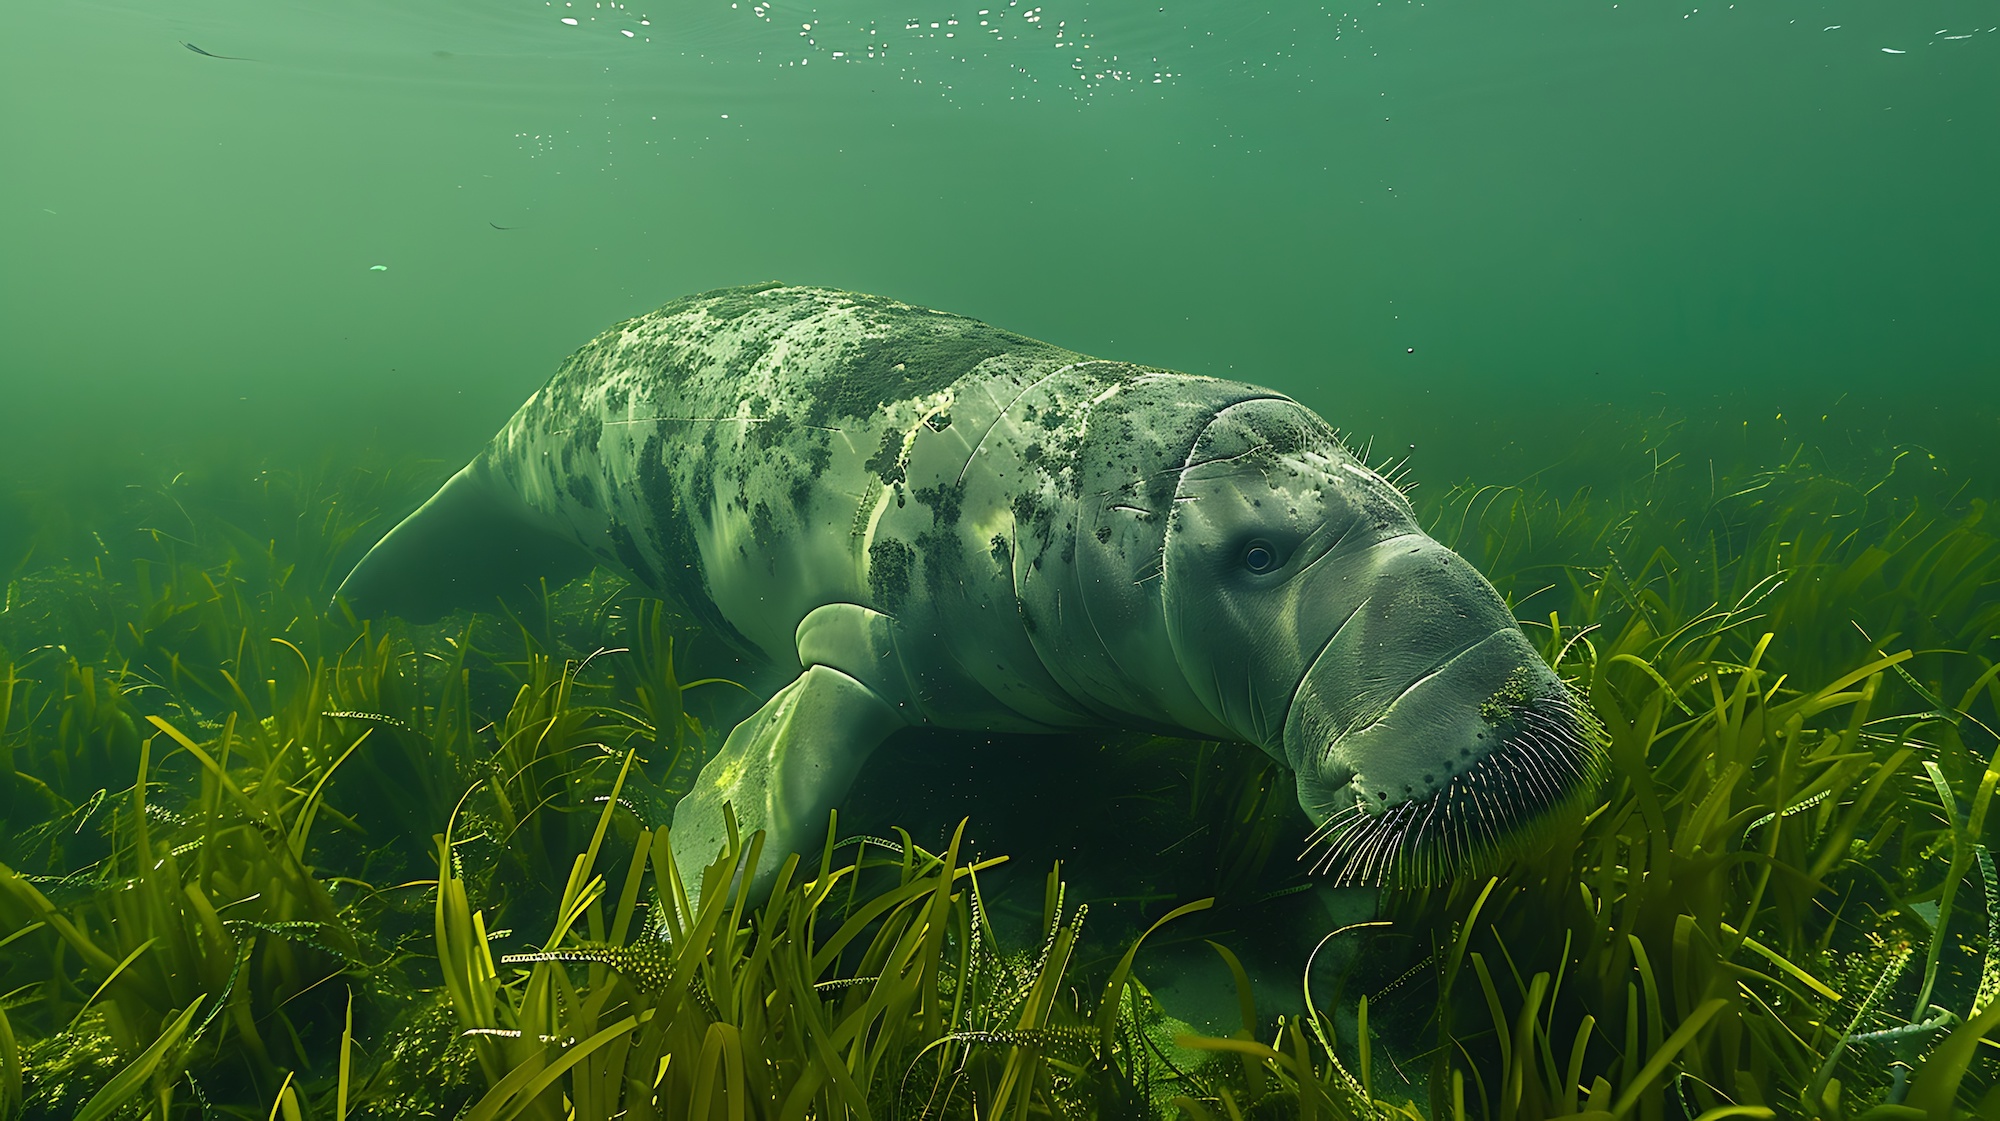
pixel 471 543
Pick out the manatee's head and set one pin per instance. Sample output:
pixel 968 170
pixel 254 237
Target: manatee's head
pixel 1314 618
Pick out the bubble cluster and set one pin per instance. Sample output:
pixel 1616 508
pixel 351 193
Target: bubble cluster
pixel 1033 51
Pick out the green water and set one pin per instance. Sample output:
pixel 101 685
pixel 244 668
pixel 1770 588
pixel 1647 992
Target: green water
pixel 1552 203
pixel 1683 316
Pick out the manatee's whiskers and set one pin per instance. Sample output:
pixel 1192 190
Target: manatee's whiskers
pixel 1552 755
pixel 1360 865
pixel 1538 773
pixel 1580 735
pixel 1389 846
pixel 1333 833
pixel 1334 821
pixel 1360 868
pixel 1345 835
pixel 1416 841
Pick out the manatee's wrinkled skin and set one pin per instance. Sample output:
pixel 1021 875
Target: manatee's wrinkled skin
pixel 935 522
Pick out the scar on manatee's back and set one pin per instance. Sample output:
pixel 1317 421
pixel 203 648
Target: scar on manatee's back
pixel 910 354
pixel 889 572
pixel 944 500
pixel 887 462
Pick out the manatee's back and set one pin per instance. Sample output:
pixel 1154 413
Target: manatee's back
pixel 723 450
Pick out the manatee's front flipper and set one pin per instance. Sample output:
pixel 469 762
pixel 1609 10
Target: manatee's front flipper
pixel 472 542
pixel 782 770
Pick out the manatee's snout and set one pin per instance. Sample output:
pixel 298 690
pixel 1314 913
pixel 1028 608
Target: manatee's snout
pixel 1310 615
pixel 1428 733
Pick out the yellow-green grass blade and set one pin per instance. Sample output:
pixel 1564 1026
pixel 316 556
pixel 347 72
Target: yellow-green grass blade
pixel 112 976
pixel 1107 1005
pixel 1786 964
pixel 126 1083
pixel 1657 1062
pixel 515 1100
pixel 1936 1088
pixel 10 1068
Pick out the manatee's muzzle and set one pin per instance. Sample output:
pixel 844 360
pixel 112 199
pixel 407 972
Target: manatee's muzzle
pixel 1425 740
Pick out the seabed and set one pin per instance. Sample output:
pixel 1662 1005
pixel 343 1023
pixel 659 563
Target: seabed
pixel 265 860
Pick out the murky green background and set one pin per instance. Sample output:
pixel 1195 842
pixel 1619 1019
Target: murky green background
pixel 1763 207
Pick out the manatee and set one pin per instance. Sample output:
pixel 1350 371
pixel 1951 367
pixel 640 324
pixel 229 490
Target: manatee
pixel 924 520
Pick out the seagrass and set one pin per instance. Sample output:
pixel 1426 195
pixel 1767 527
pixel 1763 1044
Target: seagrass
pixel 261 859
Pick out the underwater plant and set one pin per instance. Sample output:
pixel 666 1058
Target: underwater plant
pixel 260 859
pixel 203 933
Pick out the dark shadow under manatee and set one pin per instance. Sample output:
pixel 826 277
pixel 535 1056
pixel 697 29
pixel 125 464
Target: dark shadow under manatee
pixel 1140 826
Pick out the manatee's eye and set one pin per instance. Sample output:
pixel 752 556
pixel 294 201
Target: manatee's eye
pixel 1260 556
